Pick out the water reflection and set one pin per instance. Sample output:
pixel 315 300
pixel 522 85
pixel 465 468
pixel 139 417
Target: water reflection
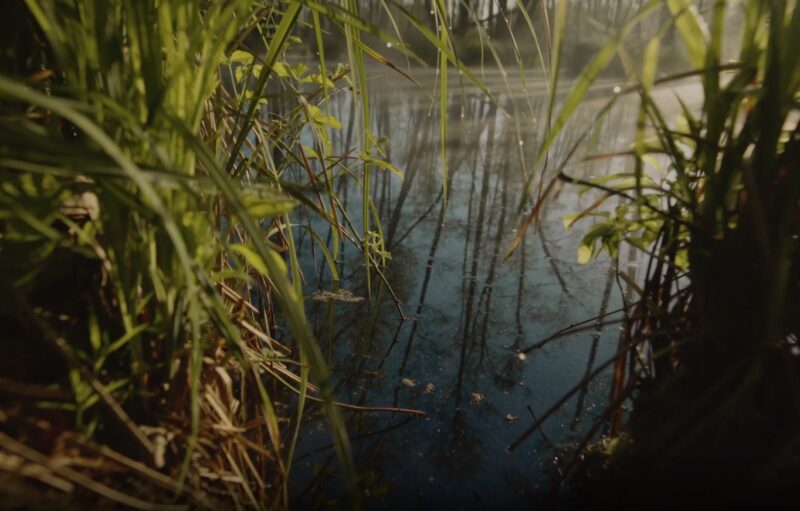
pixel 459 353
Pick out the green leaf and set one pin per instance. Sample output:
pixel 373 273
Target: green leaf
pixel 652 162
pixel 319 79
pixel 318 116
pixel 310 153
pixel 682 259
pixel 241 57
pixel 569 220
pixel 250 256
pixel 585 253
pixel 382 164
pixel 280 69
pixel 265 207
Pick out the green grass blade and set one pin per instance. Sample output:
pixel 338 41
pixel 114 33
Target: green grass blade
pixel 444 41
pixel 293 305
pixel 692 30
pixel 582 85
pixel 277 42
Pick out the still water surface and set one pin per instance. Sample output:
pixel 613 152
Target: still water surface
pixel 457 356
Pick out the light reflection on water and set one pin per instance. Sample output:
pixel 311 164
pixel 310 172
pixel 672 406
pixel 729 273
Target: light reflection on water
pixel 456 358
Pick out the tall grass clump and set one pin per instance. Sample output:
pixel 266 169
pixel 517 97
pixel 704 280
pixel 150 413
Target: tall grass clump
pixel 708 355
pixel 149 164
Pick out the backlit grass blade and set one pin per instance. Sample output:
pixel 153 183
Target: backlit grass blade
pixel 435 39
pixel 18 92
pixel 578 92
pixel 646 83
pixel 277 42
pixel 444 42
pixel 356 58
pixel 534 34
pixel 692 30
pixel 560 22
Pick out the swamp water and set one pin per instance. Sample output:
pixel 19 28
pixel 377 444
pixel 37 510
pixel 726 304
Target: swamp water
pixel 460 355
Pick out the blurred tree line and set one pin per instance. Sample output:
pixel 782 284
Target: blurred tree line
pixel 474 22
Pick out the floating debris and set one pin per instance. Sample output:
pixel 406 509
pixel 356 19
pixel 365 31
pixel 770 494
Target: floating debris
pixel 430 388
pixel 511 418
pixel 476 398
pixel 343 295
pixel 408 382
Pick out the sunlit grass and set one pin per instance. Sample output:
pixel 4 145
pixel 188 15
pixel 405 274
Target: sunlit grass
pixel 171 123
